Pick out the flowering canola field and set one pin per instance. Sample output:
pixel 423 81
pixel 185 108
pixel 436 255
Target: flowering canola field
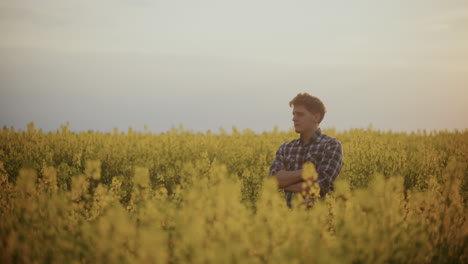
pixel 185 197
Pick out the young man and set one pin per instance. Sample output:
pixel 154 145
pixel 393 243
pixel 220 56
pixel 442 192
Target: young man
pixel 313 146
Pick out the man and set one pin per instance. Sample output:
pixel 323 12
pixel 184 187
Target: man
pixel 313 146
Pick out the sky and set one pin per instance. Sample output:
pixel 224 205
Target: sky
pixel 104 64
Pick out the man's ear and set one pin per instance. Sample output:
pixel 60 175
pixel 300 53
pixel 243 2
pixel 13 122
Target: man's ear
pixel 316 117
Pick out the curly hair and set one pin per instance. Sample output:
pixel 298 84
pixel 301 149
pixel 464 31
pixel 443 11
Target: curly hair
pixel 311 103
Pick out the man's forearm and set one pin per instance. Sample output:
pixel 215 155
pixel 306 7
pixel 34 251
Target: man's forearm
pixel 297 187
pixel 288 178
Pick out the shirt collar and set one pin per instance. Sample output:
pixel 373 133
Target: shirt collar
pixel 314 139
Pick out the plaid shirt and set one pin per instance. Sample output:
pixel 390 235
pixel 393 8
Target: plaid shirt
pixel 322 150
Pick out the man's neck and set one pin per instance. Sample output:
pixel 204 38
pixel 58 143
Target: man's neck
pixel 306 136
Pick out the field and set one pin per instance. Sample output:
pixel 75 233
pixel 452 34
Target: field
pixel 185 197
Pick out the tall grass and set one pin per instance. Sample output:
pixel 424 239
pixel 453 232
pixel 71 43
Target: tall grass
pixel 184 197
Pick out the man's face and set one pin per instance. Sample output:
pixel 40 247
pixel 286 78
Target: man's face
pixel 304 121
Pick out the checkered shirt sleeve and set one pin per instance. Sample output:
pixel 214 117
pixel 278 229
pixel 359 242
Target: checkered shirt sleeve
pixel 330 166
pixel 278 163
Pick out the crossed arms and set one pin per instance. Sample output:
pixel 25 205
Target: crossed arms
pixel 327 168
pixel 291 181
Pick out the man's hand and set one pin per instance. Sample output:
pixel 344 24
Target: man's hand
pixel 306 188
pixel 287 178
pixel 296 187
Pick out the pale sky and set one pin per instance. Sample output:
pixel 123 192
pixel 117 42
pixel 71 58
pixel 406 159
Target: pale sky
pixel 99 64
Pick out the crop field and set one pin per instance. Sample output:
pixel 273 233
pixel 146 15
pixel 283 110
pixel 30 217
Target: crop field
pixel 186 197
